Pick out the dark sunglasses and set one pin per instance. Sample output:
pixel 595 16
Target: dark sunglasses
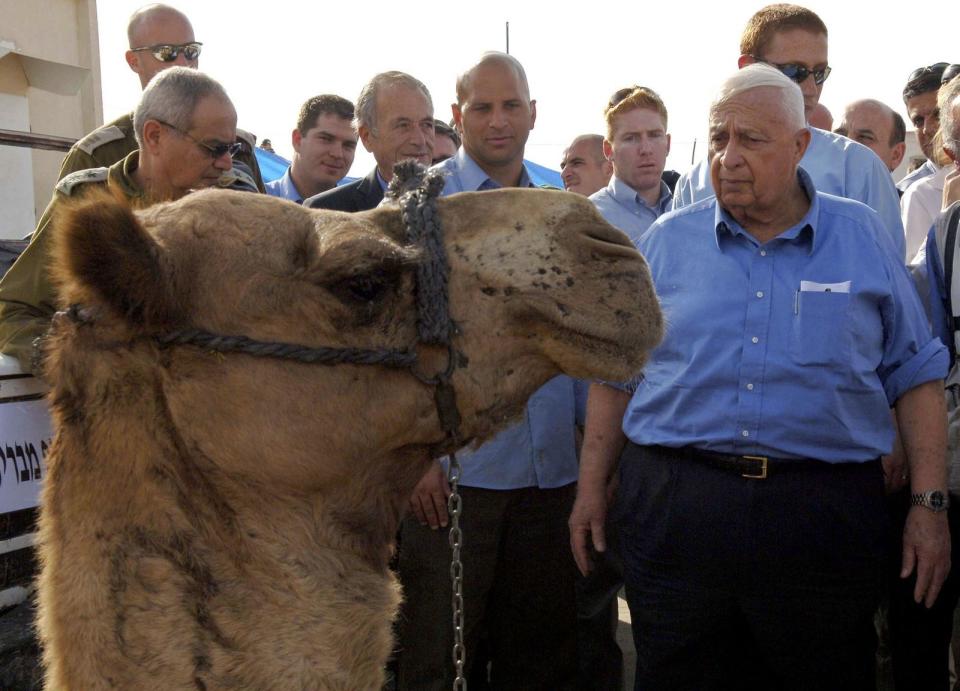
pixel 798 73
pixel 214 150
pixel 936 68
pixel 167 52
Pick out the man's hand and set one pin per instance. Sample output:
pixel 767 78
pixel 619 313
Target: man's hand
pixel 926 547
pixel 586 526
pixel 922 419
pixel 429 499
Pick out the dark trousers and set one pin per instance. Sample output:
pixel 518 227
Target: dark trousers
pixel 600 659
pixel 518 585
pixel 920 637
pixel 736 583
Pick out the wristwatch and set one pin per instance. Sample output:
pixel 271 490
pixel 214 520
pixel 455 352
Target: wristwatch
pixel 934 499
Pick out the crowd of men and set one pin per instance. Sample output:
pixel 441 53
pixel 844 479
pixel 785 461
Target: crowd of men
pixel 780 469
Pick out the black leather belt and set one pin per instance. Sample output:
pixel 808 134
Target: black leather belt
pixel 751 467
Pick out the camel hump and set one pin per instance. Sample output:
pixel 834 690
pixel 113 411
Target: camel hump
pixel 102 254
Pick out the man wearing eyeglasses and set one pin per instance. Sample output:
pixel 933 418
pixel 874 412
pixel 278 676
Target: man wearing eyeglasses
pixel 186 137
pixel 160 37
pixel 794 40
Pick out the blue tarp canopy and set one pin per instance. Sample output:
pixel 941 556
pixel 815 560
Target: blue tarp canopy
pixel 273 167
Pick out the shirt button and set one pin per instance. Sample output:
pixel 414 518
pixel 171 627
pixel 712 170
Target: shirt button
pixel 744 433
pixel 759 293
pixel 755 339
pixel 749 387
pixel 763 253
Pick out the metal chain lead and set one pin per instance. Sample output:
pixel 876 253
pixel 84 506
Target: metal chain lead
pixel 455 536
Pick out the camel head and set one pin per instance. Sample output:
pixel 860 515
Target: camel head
pixel 539 284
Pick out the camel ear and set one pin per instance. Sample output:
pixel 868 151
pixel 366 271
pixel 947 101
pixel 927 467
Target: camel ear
pixel 103 255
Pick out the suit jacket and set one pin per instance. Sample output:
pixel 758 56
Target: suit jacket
pixel 358 195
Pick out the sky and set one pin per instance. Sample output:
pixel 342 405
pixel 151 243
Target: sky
pixel 272 56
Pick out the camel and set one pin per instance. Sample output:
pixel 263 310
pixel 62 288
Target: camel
pixel 224 521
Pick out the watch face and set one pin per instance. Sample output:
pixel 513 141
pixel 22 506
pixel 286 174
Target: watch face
pixel 937 500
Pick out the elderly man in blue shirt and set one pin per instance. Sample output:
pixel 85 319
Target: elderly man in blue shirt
pixel 751 502
pixel 637 143
pixel 517 489
pixel 794 40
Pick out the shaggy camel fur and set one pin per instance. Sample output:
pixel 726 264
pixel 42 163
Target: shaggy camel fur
pixel 216 521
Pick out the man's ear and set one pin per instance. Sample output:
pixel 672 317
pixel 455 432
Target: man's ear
pixel 295 139
pixel 745 60
pixel 365 136
pixel 607 149
pixel 152 133
pixel 803 141
pixel 533 113
pixel 898 152
pixel 133 61
pixel 457 116
pixel 668 145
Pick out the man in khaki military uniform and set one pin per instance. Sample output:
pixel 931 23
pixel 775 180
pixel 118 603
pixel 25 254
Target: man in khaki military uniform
pixel 156 30
pixel 174 155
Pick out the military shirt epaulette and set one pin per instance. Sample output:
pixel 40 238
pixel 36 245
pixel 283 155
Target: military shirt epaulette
pixel 99 137
pixel 81 177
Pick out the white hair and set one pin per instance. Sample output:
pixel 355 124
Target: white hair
pixel 760 74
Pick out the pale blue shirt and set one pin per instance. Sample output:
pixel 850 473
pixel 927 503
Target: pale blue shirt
pixel 464 175
pixel 284 188
pixel 795 348
pixel 540 450
pixel 837 166
pixel 622 207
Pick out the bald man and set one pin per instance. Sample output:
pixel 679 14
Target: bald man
pixel 159 37
pixel 584 168
pixel 878 127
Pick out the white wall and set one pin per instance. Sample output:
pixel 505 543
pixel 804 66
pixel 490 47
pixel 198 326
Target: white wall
pixel 16 172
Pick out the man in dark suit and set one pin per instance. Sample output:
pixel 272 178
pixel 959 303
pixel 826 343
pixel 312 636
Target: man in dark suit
pixel 394 120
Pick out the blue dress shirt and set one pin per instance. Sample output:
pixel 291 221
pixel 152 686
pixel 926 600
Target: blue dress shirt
pixel 620 204
pixel 464 175
pixel 837 166
pixel 795 348
pixel 540 450
pixel 283 187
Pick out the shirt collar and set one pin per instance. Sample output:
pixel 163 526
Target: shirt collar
pixel 473 178
pixel 380 181
pixel 626 195
pixel 804 231
pixel 121 175
pixel 290 190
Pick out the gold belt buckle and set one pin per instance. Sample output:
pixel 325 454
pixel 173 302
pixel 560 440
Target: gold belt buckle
pixel 762 475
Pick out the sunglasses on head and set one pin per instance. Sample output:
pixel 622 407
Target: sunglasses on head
pixel 168 52
pixel 214 150
pixel 799 73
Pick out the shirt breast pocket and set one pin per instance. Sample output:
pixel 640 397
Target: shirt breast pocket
pixel 821 325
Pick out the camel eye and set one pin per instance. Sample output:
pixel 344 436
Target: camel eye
pixel 364 288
